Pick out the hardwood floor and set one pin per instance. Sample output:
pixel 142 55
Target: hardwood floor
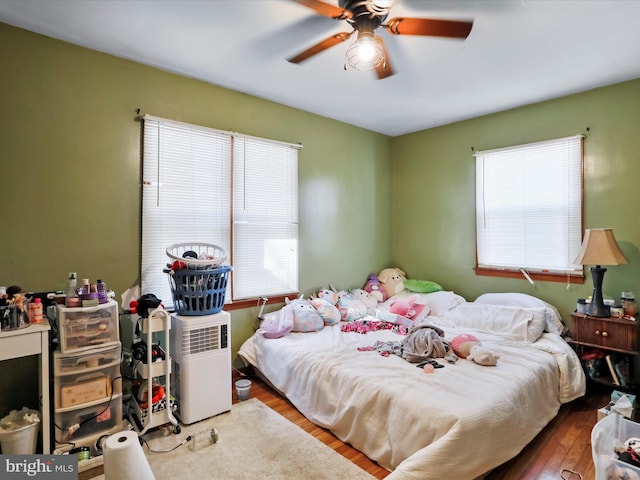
pixel 564 444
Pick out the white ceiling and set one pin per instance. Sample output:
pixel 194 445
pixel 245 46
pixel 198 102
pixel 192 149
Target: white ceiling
pixel 518 52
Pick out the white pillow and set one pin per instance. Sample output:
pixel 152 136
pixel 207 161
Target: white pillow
pixel 517 323
pixel 438 302
pixel 553 320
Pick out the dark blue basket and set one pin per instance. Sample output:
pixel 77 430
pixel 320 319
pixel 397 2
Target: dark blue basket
pixel 199 292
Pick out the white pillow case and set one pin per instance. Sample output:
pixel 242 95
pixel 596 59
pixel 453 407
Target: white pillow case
pixel 518 323
pixel 553 320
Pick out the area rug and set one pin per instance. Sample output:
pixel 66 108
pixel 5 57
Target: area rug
pixel 254 442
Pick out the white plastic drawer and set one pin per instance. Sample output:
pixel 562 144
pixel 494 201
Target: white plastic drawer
pixel 84 328
pixel 86 377
pixel 96 418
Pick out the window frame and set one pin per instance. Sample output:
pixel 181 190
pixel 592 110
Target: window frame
pixel 231 137
pixel 576 277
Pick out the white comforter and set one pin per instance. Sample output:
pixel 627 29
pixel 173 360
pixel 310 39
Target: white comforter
pixel 458 422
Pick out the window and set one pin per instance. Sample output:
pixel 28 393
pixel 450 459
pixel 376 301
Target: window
pixel 529 209
pixel 234 191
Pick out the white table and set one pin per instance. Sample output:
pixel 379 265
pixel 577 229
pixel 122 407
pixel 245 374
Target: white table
pixel 32 340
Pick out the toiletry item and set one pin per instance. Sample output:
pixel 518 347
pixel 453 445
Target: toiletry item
pixel 72 285
pixel 37 312
pixel 628 301
pixel 86 286
pixel 102 291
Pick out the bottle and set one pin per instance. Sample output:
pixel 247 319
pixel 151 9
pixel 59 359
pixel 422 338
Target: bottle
pixel 35 311
pixel 86 286
pixel 72 284
pixel 102 292
pixel 628 301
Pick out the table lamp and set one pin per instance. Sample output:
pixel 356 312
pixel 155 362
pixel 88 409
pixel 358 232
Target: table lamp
pixel 599 247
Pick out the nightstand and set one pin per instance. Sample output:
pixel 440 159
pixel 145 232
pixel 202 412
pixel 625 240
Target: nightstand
pixel 617 336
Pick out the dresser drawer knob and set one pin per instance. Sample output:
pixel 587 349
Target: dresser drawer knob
pixel 605 334
pixel 597 332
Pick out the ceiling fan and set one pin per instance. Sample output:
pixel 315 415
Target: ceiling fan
pixel 368 51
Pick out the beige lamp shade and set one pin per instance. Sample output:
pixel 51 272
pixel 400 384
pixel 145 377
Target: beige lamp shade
pixel 599 247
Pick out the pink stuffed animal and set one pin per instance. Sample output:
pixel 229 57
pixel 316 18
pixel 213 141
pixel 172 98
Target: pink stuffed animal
pixel 407 307
pixel 403 306
pixel 469 347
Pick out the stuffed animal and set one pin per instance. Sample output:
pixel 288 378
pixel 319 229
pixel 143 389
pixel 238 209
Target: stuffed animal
pixel 366 298
pixel 374 288
pixel 328 294
pixel 392 280
pixel 327 310
pixel 277 324
pixel 403 306
pixel 421 286
pixel 469 347
pixel 407 307
pixel 350 307
pixel 305 316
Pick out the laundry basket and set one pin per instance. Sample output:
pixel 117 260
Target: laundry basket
pixel 198 292
pixel 607 436
pixel 195 255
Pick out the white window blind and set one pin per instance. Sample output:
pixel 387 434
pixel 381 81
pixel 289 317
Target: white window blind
pixel 529 206
pixel 188 194
pixel 265 218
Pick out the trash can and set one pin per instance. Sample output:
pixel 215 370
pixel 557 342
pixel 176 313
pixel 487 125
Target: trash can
pixel 19 432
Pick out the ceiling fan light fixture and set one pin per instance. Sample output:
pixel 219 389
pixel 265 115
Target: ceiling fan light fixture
pixel 379 7
pixel 364 53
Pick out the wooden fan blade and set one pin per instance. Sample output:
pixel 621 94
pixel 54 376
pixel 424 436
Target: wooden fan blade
pixel 320 47
pixel 383 70
pixel 430 27
pixel 326 9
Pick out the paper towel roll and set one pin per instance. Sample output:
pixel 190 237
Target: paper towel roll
pixel 124 458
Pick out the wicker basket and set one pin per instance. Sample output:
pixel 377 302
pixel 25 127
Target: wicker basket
pixel 200 256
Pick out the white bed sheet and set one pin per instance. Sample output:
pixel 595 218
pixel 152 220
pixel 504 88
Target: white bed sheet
pixel 459 422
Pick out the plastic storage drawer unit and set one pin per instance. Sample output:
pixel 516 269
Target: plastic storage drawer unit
pixel 86 377
pixel 608 436
pixel 75 423
pixel 83 328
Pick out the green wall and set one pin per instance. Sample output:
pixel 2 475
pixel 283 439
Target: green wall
pixel 434 190
pixel 70 150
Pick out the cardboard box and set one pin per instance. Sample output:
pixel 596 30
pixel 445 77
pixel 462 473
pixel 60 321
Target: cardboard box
pixel 84 392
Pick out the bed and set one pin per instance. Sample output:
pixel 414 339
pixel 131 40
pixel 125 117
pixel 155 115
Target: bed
pixel 460 421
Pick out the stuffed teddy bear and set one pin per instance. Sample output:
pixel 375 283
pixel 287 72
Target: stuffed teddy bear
pixel 392 280
pixel 469 347
pixel 374 288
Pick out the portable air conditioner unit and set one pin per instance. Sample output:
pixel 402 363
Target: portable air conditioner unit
pixel 201 355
